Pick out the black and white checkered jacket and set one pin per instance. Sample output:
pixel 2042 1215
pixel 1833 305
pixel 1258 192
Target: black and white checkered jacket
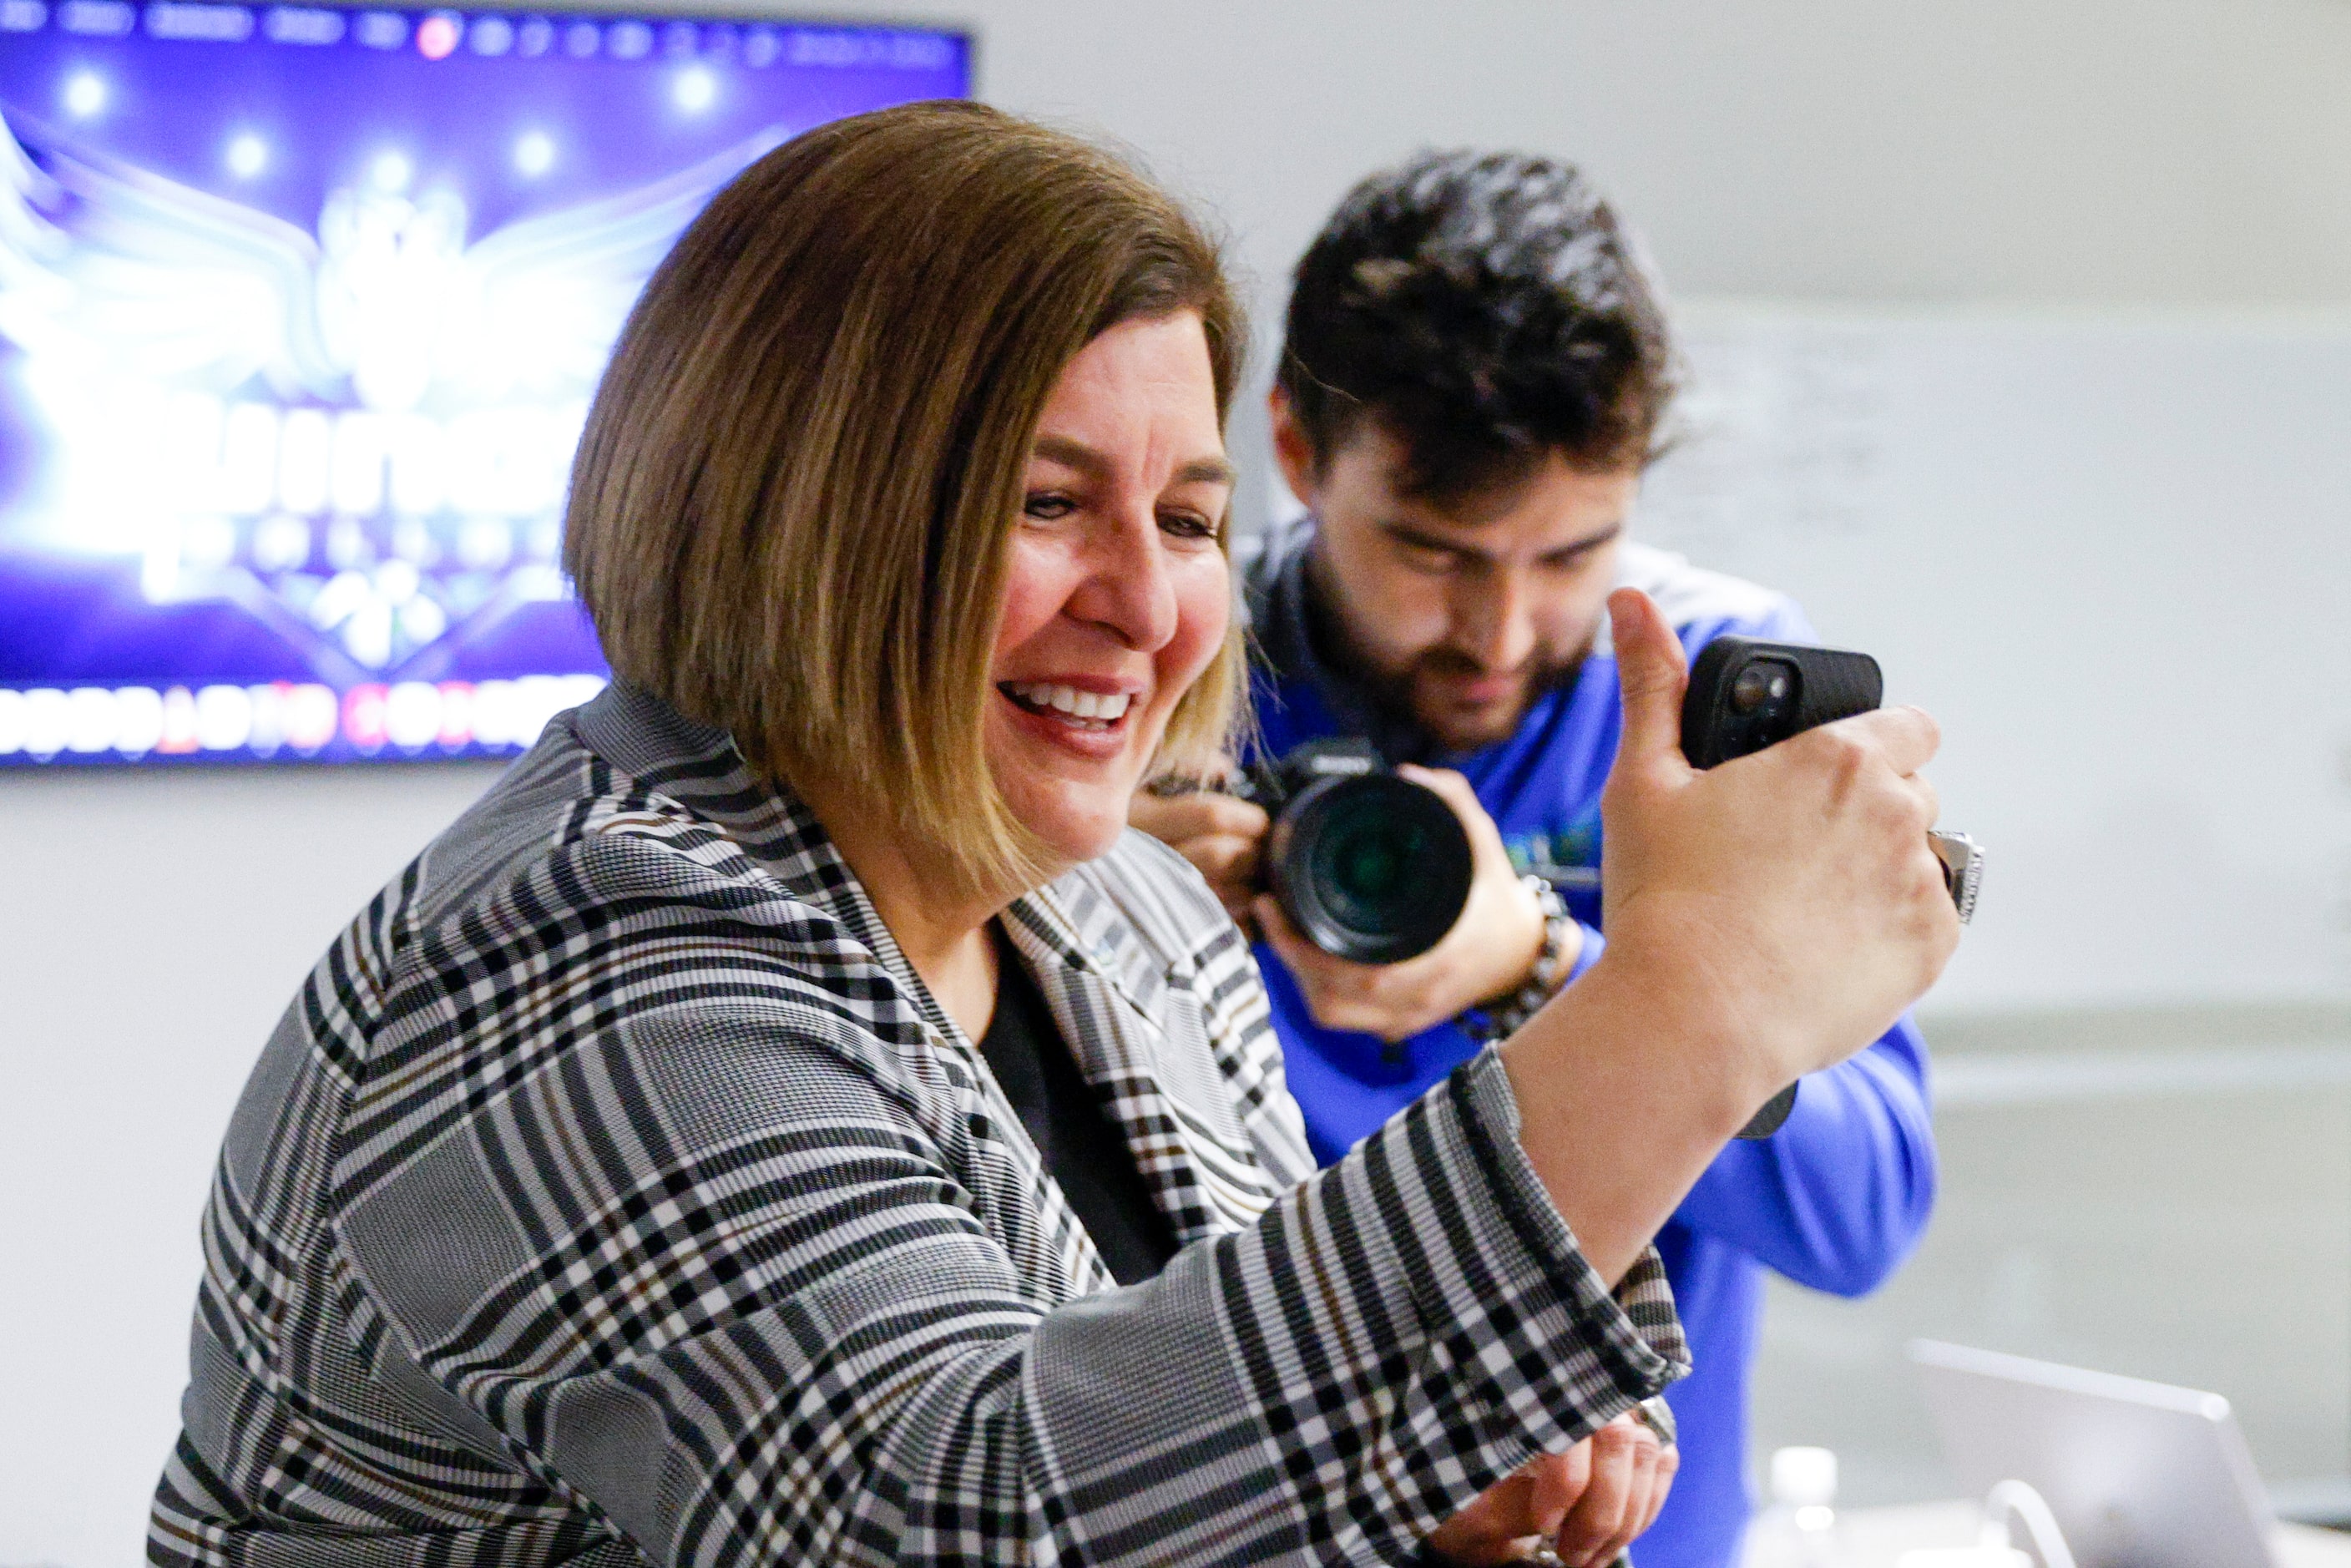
pixel 613 1193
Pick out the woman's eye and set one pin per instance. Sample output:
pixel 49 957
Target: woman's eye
pixel 1047 505
pixel 1187 524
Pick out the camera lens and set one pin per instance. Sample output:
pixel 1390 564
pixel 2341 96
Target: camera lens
pixel 1372 868
pixel 1366 862
pixel 1759 687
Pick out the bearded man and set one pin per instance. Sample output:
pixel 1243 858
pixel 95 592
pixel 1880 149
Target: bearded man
pixel 1476 368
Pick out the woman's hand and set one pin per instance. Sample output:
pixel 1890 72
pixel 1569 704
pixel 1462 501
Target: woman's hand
pixel 1588 1503
pixel 1787 903
pixel 1766 918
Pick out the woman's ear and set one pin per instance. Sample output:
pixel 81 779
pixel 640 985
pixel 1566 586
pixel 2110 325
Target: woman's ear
pixel 1295 451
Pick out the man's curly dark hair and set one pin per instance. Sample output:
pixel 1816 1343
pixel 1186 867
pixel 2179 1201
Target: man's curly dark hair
pixel 1487 309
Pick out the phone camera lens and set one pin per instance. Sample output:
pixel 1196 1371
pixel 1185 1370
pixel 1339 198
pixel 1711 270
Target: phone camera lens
pixel 1758 688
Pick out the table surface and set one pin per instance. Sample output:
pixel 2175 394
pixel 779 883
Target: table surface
pixel 1874 1537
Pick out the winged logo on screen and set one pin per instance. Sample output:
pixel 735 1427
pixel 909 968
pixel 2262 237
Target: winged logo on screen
pixel 361 436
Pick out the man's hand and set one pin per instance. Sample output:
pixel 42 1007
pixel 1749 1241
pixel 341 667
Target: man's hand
pixel 1589 1502
pixel 1221 835
pixel 1489 952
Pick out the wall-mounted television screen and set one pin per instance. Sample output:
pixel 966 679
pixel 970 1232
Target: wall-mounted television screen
pixel 300 310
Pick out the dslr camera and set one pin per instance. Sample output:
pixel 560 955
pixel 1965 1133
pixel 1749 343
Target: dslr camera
pixel 1370 866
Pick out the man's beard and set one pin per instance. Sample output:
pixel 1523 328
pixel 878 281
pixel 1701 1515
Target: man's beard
pixel 1396 694
pixel 1413 692
pixel 1407 694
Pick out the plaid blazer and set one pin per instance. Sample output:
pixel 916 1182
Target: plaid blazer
pixel 613 1193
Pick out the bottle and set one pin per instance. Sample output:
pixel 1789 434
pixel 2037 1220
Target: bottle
pixel 1799 1529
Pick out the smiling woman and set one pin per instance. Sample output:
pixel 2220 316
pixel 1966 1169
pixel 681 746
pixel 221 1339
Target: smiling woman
pixel 722 1145
pixel 1117 592
pixel 912 288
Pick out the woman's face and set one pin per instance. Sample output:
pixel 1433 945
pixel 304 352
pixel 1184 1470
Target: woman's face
pixel 1116 594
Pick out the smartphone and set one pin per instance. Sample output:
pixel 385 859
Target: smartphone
pixel 1745 694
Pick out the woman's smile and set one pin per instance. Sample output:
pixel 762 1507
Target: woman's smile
pixel 1088 716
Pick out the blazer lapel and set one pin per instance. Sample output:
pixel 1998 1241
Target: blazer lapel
pixel 1142 1044
pixel 1139 1041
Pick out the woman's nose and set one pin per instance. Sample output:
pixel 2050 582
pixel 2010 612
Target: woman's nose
pixel 1126 588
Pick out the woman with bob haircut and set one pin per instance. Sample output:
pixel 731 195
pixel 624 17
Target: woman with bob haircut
pixel 790 1120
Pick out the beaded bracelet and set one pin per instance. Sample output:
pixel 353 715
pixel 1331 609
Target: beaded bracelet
pixel 1501 1019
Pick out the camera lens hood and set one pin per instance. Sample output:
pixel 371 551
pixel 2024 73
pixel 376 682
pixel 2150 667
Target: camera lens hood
pixel 1372 868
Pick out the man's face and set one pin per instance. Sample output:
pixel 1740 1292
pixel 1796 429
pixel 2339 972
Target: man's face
pixel 1461 615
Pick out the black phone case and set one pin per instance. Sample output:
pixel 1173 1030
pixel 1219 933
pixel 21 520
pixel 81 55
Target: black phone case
pixel 1831 683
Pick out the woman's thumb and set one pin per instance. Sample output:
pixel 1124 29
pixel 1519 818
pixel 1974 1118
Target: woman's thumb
pixel 1652 674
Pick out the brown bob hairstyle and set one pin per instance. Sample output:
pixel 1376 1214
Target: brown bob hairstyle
pixel 790 511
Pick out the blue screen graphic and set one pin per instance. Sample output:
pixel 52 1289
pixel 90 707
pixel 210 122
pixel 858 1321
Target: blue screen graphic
pixel 300 311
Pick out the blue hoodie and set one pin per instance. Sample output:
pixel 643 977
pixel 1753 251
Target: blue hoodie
pixel 1834 1200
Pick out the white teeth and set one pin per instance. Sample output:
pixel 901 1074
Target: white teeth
pixel 1078 705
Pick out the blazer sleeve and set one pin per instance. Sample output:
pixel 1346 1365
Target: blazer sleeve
pixel 662 1213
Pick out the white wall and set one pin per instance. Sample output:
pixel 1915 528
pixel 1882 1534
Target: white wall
pixel 2167 152
pixel 2108 552
pixel 2102 150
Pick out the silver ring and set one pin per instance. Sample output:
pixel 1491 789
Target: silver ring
pixel 1963 860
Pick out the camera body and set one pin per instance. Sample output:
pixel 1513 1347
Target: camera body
pixel 1369 866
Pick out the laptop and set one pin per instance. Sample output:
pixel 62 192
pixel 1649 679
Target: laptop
pixel 2138 1475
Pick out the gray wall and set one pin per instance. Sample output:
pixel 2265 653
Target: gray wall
pixel 2163 152
pixel 1959 150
